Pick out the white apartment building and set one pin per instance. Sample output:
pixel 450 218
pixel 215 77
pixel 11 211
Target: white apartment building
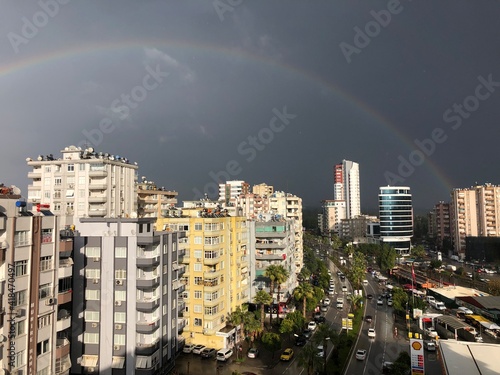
pixel 154 201
pixel 346 187
pixel 33 339
pixel 84 183
pixel 333 211
pixel 126 287
pixel 230 190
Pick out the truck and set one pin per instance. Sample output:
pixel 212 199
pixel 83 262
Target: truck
pixel 439 256
pixel 438 305
pixel 451 267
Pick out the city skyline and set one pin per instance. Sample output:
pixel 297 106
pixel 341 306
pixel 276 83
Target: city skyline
pixel 197 94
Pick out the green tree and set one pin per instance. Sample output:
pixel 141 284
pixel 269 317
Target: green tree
pixel 281 277
pixel 297 319
pixel 303 292
pixel 387 258
pixel 357 270
pixel 238 318
pixel 399 300
pixel 418 252
pixel 325 335
pixel 435 264
pixel 402 364
pixel 308 358
pixel 277 274
pixel 272 341
pixel 336 242
pixel 253 327
pixel 494 287
pixel 356 301
pixel 262 298
pixel 287 326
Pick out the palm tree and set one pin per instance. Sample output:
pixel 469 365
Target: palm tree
pixel 253 327
pixel 281 277
pixel 262 298
pixel 303 292
pixel 323 334
pixel 239 317
pixel 308 357
pixel 273 272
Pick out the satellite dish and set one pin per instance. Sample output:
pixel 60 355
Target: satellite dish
pixel 39 158
pixel 15 190
pixel 133 214
pixel 91 149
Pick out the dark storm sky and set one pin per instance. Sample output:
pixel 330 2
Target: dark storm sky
pixel 263 91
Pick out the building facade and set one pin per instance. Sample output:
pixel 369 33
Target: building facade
pixel 346 187
pixel 126 287
pixel 396 218
pixel 83 183
pixel 217 278
pixel 153 201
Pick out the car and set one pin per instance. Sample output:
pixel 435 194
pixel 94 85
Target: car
pixel 301 340
pixel 320 319
pixel 344 288
pixel 380 301
pixel 198 349
pixel 311 326
pixel 387 367
pixel 368 318
pixel 468 274
pixel 307 334
pixel 342 277
pixel 369 296
pixel 371 332
pixel 465 310
pixel 188 348
pixel 208 353
pixel 316 315
pixel 320 351
pixel 389 302
pixel 224 354
pixel 324 308
pixel 361 354
pixel 430 346
pixel 431 332
pixel 326 301
pixel 253 353
pixel 287 355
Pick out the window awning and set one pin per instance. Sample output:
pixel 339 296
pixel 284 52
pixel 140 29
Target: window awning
pixel 89 360
pixel 118 362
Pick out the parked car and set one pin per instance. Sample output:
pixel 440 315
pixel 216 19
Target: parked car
pixel 253 353
pixel 224 354
pixel 301 340
pixel 380 301
pixel 311 326
pixel 208 353
pixel 389 302
pixel 320 319
pixel 324 308
pixel 369 296
pixel 361 354
pixel 371 332
pixel 307 333
pixel 198 349
pixel 320 351
pixel 326 301
pixel 431 332
pixel 287 355
pixel 188 348
pixel 387 367
pixel 368 318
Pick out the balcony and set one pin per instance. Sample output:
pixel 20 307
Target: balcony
pixel 62 348
pixel 212 261
pixel 148 282
pixel 98 173
pixel 146 349
pixel 146 304
pixel 35 174
pixel 280 256
pixel 271 234
pixel 184 258
pixel 212 274
pixel 63 320
pixel 64 297
pixel 65 268
pixel 270 245
pixel 145 261
pixel 65 246
pixel 97 199
pixel 97 186
pixel 181 323
pixel 93 212
pixel 63 366
pixel 146 327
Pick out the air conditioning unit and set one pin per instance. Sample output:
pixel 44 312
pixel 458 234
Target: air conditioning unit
pixel 97 259
pixel 119 282
pixel 96 281
pixel 50 301
pixel 91 369
pixel 118 326
pixel 198 259
pixel 117 347
pixel 118 303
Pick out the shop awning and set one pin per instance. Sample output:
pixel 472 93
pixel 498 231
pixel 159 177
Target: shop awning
pixel 89 360
pixel 118 362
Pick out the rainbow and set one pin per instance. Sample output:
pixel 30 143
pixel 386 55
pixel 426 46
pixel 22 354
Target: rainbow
pixel 58 56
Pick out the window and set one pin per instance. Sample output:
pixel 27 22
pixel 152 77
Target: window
pixel 20 298
pixel 120 252
pixel 198 322
pixel 46 181
pixel 197 308
pixel 45 263
pixel 91 316
pixel 81 166
pixel 120 317
pixel 183 227
pixel 44 371
pixel 197 240
pixel 211 310
pixel 47 235
pixel 81 193
pixel 22 238
pixel 57 194
pixel 46 194
pixel 197 254
pixel 20 358
pixel 47 168
pixel 71 167
pixel 198 267
pixel 93 273
pixel 44 321
pixel 91 338
pixel 197 294
pixel 93 252
pixel 92 295
pixel 21 267
pixel 198 280
pixel 42 347
pixel 58 181
pixel 164 289
pixel 120 295
pixel 20 328
pixel 120 274
pixel 197 226
pixel 119 339
pixel 45 291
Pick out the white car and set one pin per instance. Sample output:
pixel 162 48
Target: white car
pixel 431 332
pixel 198 349
pixel 361 354
pixel 344 288
pixel 380 301
pixel 371 332
pixel 188 348
pixel 320 351
pixel 311 326
pixel 389 302
pixel 326 302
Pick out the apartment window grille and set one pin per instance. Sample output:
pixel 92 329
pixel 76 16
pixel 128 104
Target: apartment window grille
pixel 197 308
pixel 20 328
pixel 58 181
pixel 197 226
pixel 120 274
pixel 45 263
pixel 93 252
pixel 81 166
pixel 198 280
pixel 91 316
pixel 197 254
pixel 44 321
pixel 197 294
pixel 20 298
pixel 92 295
pixel 120 317
pixel 120 295
pixel 120 252
pixel 119 339
pixel 90 338
pixel 21 268
pixel 198 322
pixel 198 267
pixel 22 238
pixel 45 291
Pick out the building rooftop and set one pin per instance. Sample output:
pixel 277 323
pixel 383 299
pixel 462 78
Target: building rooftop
pixel 462 357
pixel 452 292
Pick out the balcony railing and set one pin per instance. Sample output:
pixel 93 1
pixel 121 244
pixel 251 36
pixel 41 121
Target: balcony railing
pixel 146 327
pixel 62 348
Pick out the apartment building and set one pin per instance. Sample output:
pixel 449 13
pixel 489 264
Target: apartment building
pixel 230 190
pixel 275 245
pixel 126 286
pixel 32 338
pixel 396 218
pixel 83 183
pixel 333 211
pixel 217 276
pixel 152 200
pixel 263 189
pixel 440 224
pixel 474 213
pixel 357 229
pixel 346 187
